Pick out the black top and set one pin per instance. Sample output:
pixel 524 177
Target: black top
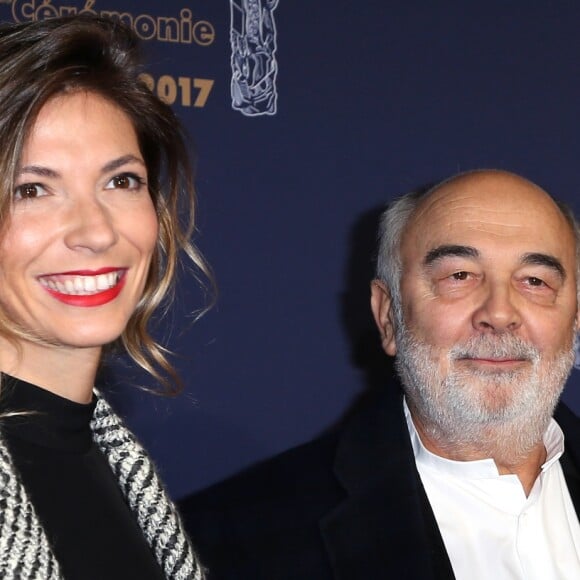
pixel 91 529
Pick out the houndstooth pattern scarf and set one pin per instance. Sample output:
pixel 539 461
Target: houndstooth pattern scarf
pixel 25 553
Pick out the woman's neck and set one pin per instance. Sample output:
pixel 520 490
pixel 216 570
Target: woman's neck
pixel 67 372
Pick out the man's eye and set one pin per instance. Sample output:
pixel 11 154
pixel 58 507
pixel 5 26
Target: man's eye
pixel 125 181
pixel 460 276
pixel 533 281
pixel 29 191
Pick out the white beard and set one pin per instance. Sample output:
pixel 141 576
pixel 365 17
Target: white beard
pixel 499 414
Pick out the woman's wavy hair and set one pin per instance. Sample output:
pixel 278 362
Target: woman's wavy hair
pixel 40 60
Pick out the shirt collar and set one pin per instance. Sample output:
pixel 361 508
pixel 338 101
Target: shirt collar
pixel 480 468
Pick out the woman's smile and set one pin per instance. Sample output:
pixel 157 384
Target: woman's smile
pixel 82 283
pixel 85 290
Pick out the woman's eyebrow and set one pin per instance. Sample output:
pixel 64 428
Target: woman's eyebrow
pixel 112 165
pixel 450 250
pixel 38 170
pixel 120 161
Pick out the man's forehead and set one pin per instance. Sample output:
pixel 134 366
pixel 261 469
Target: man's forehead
pixel 488 206
pixel 485 190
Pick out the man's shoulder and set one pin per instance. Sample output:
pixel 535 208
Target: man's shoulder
pixel 566 416
pixel 302 469
pixel 309 470
pixel 263 523
pixel 570 425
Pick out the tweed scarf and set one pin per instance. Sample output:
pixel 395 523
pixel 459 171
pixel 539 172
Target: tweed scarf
pixel 24 549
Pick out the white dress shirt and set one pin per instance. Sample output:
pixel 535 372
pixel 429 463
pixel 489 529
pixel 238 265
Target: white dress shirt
pixel 491 530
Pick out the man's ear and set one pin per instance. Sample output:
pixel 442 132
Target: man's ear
pixel 381 306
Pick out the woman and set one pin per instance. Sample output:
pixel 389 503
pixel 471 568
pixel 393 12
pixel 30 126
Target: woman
pixel 93 172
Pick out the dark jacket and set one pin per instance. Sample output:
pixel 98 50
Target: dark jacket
pixel 348 505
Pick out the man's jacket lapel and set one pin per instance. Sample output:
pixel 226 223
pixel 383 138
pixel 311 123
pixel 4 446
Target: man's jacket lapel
pixel 385 528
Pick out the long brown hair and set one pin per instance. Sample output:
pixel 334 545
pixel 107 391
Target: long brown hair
pixel 40 60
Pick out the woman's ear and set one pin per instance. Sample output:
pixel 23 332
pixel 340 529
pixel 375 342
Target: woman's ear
pixel 381 307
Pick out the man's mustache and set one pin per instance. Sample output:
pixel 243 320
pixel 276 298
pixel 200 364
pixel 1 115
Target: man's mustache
pixel 498 346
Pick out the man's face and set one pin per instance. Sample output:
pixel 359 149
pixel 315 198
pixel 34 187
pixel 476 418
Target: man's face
pixel 488 301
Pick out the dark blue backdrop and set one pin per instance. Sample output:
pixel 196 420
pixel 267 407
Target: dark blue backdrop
pixel 372 99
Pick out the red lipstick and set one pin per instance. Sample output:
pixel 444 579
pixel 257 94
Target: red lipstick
pixel 85 272
pixel 89 300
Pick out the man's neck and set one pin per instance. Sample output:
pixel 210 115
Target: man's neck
pixel 526 467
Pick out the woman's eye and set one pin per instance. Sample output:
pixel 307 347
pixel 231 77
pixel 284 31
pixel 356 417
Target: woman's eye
pixel 29 191
pixel 125 181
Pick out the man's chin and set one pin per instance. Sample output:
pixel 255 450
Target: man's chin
pixel 493 396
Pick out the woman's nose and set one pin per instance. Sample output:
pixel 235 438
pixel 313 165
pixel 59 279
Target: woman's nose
pixel 91 227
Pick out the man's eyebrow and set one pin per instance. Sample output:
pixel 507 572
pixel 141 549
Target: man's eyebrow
pixel 538 259
pixel 450 251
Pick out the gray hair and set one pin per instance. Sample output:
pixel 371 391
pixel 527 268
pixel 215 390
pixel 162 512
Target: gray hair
pixel 568 214
pixel 392 225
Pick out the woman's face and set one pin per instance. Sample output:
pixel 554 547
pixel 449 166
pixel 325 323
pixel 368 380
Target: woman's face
pixel 75 255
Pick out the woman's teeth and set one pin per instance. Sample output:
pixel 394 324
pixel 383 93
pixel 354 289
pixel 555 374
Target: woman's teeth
pixel 81 285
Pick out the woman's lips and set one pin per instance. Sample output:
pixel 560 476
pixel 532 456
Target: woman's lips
pixel 85 288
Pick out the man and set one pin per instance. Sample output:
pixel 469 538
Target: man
pixel 466 476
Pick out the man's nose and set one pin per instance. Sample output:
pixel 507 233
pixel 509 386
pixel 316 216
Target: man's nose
pixel 91 227
pixel 498 310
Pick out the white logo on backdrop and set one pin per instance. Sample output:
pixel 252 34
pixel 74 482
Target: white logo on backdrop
pixel 254 66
